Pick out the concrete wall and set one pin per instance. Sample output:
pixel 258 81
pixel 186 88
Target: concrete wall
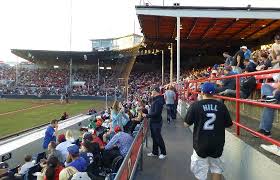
pixel 242 162
pixel 31 142
pixel 254 112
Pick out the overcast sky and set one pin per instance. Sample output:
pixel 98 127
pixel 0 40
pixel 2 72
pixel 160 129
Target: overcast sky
pixel 45 24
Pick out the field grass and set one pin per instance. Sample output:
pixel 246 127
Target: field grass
pixel 18 115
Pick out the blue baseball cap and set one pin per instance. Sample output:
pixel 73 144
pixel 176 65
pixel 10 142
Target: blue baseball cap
pixel 208 88
pixel 73 149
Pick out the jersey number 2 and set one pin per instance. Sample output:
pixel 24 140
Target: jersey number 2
pixel 208 125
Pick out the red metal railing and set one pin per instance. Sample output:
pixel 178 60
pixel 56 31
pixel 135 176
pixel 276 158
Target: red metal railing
pixel 238 100
pixel 135 154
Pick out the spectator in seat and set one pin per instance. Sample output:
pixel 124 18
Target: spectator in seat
pixel 121 140
pixel 64 116
pixel 53 152
pixel 61 138
pixel 67 173
pixel 86 151
pixel 239 57
pixel 247 52
pixel 62 147
pixel 268 113
pixel 100 130
pixel 226 83
pixel 228 59
pixel 118 145
pixel 96 139
pixel 28 164
pixel 265 62
pixel 247 85
pixel 249 66
pixel 74 159
pixel 53 169
pixel 51 133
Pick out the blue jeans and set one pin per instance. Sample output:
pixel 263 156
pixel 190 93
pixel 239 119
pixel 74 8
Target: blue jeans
pixel 171 112
pixel 268 113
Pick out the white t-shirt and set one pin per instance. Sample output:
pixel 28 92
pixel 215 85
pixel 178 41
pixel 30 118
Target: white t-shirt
pixel 276 48
pixel 62 147
pixel 24 168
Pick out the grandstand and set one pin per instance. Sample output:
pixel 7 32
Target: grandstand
pixel 196 35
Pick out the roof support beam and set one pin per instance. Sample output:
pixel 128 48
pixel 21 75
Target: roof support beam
pixel 193 26
pixel 261 28
pixel 209 28
pixel 243 29
pixel 227 27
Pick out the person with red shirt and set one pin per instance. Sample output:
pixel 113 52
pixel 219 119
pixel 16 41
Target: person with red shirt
pixel 96 139
pixel 53 169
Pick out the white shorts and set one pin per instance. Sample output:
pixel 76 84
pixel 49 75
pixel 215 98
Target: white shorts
pixel 200 166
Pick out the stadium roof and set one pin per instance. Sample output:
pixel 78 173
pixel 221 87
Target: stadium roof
pixel 208 28
pixel 78 57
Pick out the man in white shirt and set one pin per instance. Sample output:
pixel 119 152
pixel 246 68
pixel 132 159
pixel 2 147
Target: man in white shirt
pixel 28 164
pixel 62 147
pixel 275 49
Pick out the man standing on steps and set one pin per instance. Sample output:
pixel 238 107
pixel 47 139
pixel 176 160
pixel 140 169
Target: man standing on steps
pixel 210 118
pixel 156 124
pixel 170 98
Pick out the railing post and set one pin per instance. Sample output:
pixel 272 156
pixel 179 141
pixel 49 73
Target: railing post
pixel 237 105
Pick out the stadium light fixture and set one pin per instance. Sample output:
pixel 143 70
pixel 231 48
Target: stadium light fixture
pixel 109 68
pixel 101 67
pixel 55 67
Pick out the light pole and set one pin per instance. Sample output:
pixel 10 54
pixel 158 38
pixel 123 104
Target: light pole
pixel 98 74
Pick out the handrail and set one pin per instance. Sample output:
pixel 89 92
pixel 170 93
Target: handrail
pixel 238 100
pixel 128 167
pixel 271 71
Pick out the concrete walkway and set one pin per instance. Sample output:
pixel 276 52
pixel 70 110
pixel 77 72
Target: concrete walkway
pixel 176 166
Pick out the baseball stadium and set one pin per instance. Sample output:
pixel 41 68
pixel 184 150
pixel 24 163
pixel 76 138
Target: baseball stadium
pixel 195 95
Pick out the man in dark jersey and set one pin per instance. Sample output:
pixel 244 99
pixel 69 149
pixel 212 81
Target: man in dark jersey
pixel 210 118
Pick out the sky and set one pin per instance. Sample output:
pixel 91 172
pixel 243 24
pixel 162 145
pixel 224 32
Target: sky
pixel 45 24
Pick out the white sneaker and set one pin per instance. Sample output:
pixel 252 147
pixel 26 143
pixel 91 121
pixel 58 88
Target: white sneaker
pixel 162 156
pixel 272 148
pixel 151 155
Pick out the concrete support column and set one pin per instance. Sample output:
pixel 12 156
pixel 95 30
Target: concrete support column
pixel 162 67
pixel 178 49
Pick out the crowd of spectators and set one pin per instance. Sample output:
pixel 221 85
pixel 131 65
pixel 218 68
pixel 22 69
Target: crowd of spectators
pixel 97 152
pixel 245 61
pixel 56 81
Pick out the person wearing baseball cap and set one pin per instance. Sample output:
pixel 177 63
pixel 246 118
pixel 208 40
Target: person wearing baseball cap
pixel 156 124
pixel 210 118
pixel 247 52
pixel 121 140
pixel 74 159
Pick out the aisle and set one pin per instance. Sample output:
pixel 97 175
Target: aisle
pixel 176 166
